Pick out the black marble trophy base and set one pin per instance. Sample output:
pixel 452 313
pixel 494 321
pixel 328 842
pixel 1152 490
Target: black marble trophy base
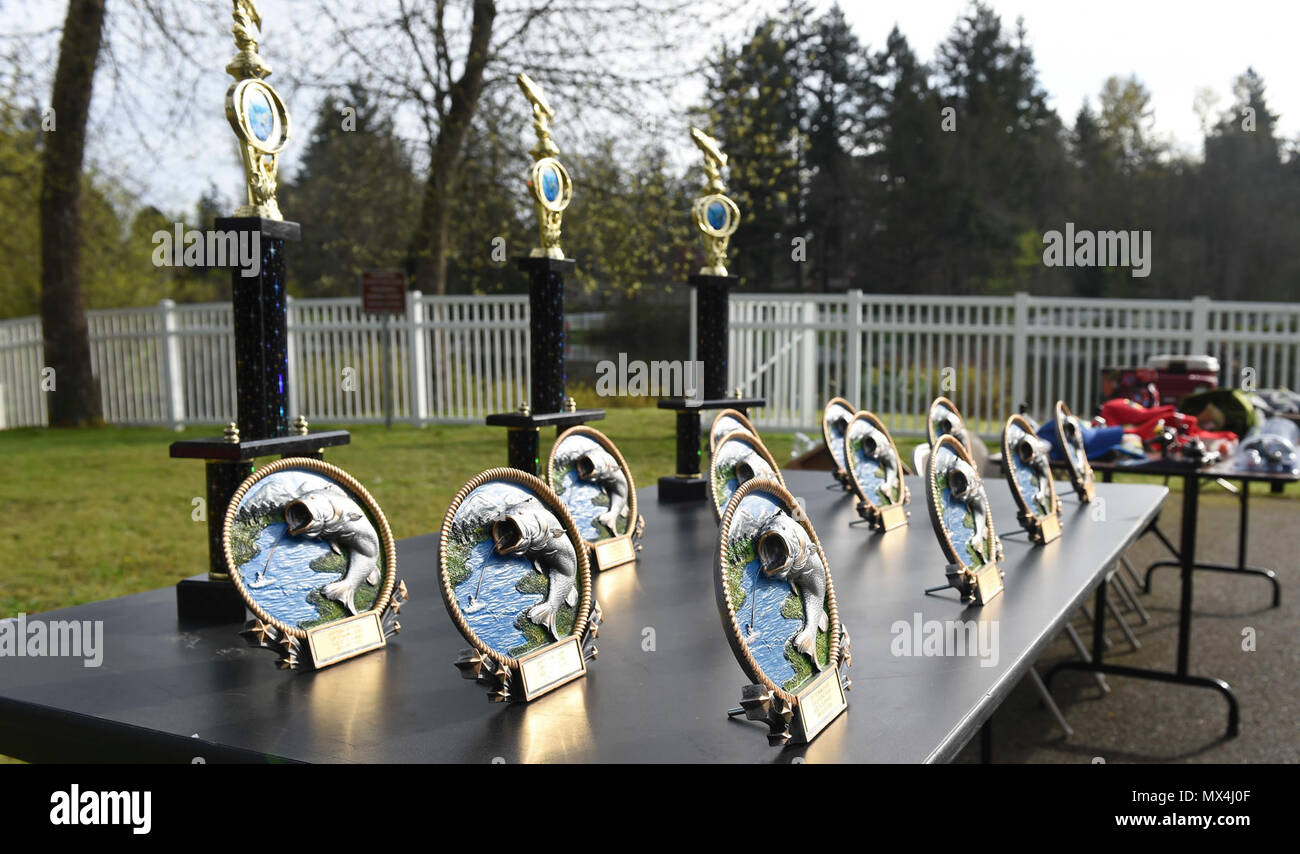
pixel 202 600
pixel 678 488
pixel 212 598
pixel 546 367
pixel 523 442
pixel 689 484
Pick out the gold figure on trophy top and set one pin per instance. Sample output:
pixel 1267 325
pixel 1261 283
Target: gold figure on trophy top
pixel 715 215
pixel 256 113
pixel 548 179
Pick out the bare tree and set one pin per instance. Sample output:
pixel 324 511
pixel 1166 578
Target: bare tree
pixel 74 399
pixel 442 58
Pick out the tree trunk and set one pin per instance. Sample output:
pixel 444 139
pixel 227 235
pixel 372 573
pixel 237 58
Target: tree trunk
pixel 429 243
pixel 74 395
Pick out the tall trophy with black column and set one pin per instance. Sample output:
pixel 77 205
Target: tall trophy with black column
pixel 716 216
pixel 546 267
pixel 261 122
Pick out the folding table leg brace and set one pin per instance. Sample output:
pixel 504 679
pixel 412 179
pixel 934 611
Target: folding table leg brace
pixel 1187 553
pixel 1243 529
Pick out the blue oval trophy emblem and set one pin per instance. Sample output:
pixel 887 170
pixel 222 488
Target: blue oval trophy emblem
pixel 260 117
pixel 550 183
pixel 777 603
pixel 717 215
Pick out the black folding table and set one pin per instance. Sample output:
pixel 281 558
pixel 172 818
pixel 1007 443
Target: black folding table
pixel 658 691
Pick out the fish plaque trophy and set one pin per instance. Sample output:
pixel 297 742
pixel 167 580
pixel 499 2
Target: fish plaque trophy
pixel 313 558
pixel 739 457
pixel 517 583
pixel 836 416
pixel 261 124
pixel 728 421
pixel 959 511
pixel 1069 432
pixel 716 217
pixel 1029 473
pixel 593 481
pixel 875 472
pixel 943 419
pixel 778 609
pixel 546 266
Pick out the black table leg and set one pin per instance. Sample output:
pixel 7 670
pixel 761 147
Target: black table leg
pixel 1243 532
pixel 1191 489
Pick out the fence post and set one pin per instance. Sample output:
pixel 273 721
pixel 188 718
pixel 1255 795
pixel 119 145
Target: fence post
pixel 807 395
pixel 173 386
pixel 1200 324
pixel 854 333
pixel 291 333
pixel 415 366
pixel 1020 351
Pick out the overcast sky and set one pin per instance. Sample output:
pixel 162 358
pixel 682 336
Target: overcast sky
pixel 1175 48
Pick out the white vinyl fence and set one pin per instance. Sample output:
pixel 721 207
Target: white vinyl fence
pixel 894 354
pixel 455 359
pixel 452 359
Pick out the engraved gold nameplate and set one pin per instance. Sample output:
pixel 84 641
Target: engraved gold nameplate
pixel 819 704
pixel 611 553
pixel 893 516
pixel 1050 526
pixel 344 639
pixel 988 584
pixel 551 667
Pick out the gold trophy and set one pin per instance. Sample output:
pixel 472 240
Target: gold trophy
pixel 548 179
pixel 256 113
pixel 715 215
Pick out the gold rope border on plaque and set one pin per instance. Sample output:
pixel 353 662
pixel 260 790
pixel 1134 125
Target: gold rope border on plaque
pixel 734 636
pixel 547 496
pixel 352 484
pixel 604 441
pixel 1080 480
pixel 731 413
pixel 929 422
pixel 867 415
pixel 934 498
pixel 1025 503
pixel 754 442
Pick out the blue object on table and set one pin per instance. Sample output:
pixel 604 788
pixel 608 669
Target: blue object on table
pixel 1097 441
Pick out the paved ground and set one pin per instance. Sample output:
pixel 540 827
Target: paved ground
pixel 1146 721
